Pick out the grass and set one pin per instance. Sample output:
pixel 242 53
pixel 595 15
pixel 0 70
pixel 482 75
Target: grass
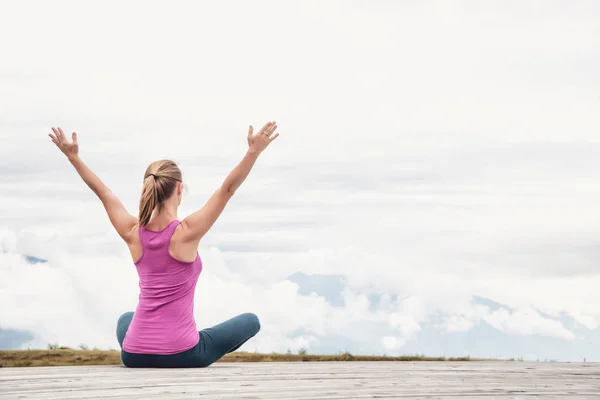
pixel 66 356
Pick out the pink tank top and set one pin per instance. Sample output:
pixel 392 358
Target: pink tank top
pixel 163 322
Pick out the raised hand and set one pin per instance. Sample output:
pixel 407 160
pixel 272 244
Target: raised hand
pixel 70 149
pixel 258 142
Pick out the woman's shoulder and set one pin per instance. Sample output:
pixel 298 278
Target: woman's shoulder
pixel 180 247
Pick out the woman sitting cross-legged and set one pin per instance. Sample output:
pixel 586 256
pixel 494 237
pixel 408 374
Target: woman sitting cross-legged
pixel 162 331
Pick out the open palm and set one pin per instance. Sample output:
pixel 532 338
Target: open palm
pixel 70 149
pixel 258 142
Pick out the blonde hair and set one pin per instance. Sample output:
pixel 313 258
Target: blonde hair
pixel 160 181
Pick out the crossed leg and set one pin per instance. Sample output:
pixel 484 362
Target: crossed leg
pixel 227 336
pixel 214 343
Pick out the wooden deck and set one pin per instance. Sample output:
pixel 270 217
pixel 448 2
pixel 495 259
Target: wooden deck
pixel 318 380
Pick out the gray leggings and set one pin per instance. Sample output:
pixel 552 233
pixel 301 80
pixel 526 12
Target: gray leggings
pixel 214 343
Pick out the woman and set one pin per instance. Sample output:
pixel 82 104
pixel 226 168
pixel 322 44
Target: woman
pixel 162 331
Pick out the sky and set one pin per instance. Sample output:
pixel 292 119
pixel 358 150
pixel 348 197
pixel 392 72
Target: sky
pixel 434 188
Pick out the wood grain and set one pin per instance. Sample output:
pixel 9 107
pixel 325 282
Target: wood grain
pixel 309 380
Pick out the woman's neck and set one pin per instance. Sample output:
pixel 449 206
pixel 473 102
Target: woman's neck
pixel 163 217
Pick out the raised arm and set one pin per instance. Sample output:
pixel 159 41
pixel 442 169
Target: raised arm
pixel 197 224
pixel 122 221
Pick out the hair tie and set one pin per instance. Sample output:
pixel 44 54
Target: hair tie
pixel 152 175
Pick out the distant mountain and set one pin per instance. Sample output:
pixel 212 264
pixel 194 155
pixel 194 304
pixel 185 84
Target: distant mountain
pixel 35 260
pixel 13 339
pixel 485 341
pixel 482 340
pixel 328 286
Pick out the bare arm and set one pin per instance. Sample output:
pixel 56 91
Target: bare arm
pixel 123 222
pixel 197 224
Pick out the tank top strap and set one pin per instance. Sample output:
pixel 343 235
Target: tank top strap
pixel 168 233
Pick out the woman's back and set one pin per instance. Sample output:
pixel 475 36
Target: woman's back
pixel 163 322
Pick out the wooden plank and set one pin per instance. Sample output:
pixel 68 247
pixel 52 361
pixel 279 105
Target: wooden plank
pixel 309 380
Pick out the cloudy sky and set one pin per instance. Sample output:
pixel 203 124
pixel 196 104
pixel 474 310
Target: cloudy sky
pixel 434 188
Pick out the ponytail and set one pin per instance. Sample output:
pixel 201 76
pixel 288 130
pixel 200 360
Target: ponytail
pixel 159 185
pixel 148 199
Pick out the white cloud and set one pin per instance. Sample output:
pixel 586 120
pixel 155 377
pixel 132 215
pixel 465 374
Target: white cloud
pixel 527 322
pixel 586 320
pixel 406 324
pixel 430 151
pixel 391 342
pixel 456 323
